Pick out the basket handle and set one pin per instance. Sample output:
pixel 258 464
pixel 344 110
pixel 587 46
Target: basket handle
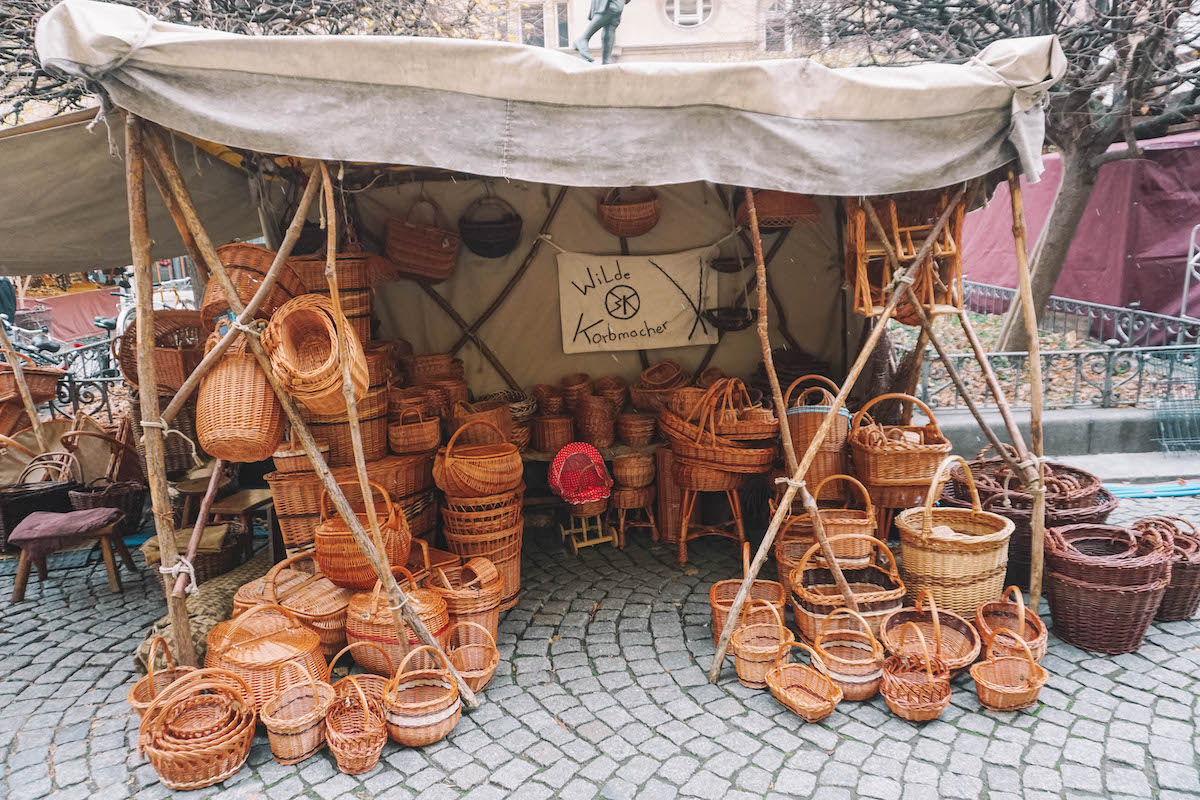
pixel 272 575
pixel 784 634
pixel 387 659
pixel 389 511
pixel 469 624
pixel 196 680
pixel 424 546
pixel 29 362
pixel 240 620
pixel 876 648
pixel 893 572
pixel 441 656
pixel 926 595
pixel 924 646
pixel 409 579
pixel 361 695
pixel 454 439
pixel 445 580
pixel 976 507
pixel 279 677
pixel 1020 641
pixel 855 482
pixel 411 410
pixel 854 423
pixel 1019 599
pixel 154 643
pixel 821 379
pixel 818 663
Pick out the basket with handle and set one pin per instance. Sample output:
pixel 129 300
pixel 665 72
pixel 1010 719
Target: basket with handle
pixel 477 470
pixel 473 595
pixel 878 590
pixel 955 640
pixel 805 690
pixel 306 354
pixel 852 655
pixel 334 429
pixel 421 244
pixel 198 732
pixel 291 458
pixel 369 619
pixel 759 646
pixel 178 347
pixel 1100 617
pixel 496 412
pixel 1109 555
pixel 471 648
pixel 803 421
pixel 1007 682
pixel 959 554
pixel 370 682
pixel 634 214
pixel 355 269
pixel 722 594
pixel 315 600
pixel 355 730
pixel 141 694
pixel 422 704
pixel 295 716
pixel 842 522
pixel 338 553
pixel 915 687
pixel 42 381
pixel 413 433
pixel 1005 615
pixel 897 462
pixel 1182 597
pixel 129 496
pixel 247 266
pixel 238 417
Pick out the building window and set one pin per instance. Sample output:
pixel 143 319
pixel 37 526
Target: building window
pixel 776 38
pixel 688 13
pixel 564 38
pixel 533 25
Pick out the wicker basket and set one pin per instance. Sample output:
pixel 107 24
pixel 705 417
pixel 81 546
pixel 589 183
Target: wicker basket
pixel 128 496
pixel 806 691
pixel 247 266
pixel 521 405
pixel 897 462
pixel 634 214
pixel 595 420
pixel 468 516
pixel 495 412
pixel 41 381
pixel 178 348
pixel 421 245
pixel 777 210
pixel 1101 618
pixel 471 648
pixel 422 705
pixel 315 601
pixel 490 227
pixel 549 399
pixel 423 369
pixel 141 696
pixel 1009 682
pixel 757 647
pixel 955 641
pixel 1002 615
pixel 370 620
pixel 255 644
pixel 295 716
pixel 291 458
pixel 338 553
pixel 355 730
pixel 575 386
pixel 852 655
pixel 551 434
pixel 813 593
pixel 1182 597
pixel 636 430
pixel 355 269
pixel 306 354
pixel 628 498
pixel 238 417
pixel 614 389
pixel 333 430
pixel 917 687
pixel 473 595
pixel 804 420
pixel 960 555
pixel 417 397
pixel 1109 555
pixel 371 683
pixel 634 470
pixel 722 594
pixel 477 470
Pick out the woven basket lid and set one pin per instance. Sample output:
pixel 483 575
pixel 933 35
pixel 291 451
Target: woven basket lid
pixel 268 640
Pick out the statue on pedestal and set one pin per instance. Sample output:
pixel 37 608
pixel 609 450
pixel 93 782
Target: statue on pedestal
pixel 604 15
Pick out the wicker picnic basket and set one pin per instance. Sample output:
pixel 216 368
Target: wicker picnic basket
pixel 142 694
pixel 178 348
pixel 1182 597
pixel 251 593
pixel 960 555
pixel 634 470
pixel 805 690
pixel 238 417
pixel 757 647
pixel 199 731
pixel 477 470
pixel 306 354
pixel 421 244
pixel 549 399
pixel 370 682
pixel 877 590
pixel 1006 682
pixel 635 429
pixel 255 643
pixel 897 462
pixel 314 600
pixel 473 595
pixel 295 716
pixel 369 619
pixel 722 594
pixel 1013 616
pixel 290 457
pixel 551 434
pixel 496 412
pixel 955 640
pixel 471 648
pixel 422 704
pixel 804 420
pixel 423 560
pixel 355 730
pixel 338 553
pixel 629 212
pixel 247 266
pixel 852 656
pixel 614 389
pixel 915 687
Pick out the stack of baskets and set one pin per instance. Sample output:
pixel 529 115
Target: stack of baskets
pixel 1105 583
pixel 521 407
pixel 357 272
pixel 472 595
pixel 656 385
pixel 1182 597
pixel 333 430
pixel 306 354
pixel 483 513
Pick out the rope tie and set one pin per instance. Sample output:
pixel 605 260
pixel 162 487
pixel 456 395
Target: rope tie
pixel 182 567
pixel 167 430
pixel 795 484
pixel 249 330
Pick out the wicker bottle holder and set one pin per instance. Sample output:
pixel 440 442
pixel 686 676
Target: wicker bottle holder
pixel 314 599
pixel 1013 616
pixel 959 555
pixel 629 212
pixel 477 470
pixel 916 688
pixel 471 648
pixel 722 594
pixel 247 266
pixel 355 730
pixel 141 696
pixel 897 462
pixel 422 705
pixel 295 716
pixel 421 245
pixel 551 434
pixel 813 593
pixel 412 433
pixel 238 417
pixel 1006 682
pixel 306 354
pixel 369 619
pixel 852 656
pixel 806 691
pixel 338 553
pixel 759 647
pixel 371 682
pixel 955 641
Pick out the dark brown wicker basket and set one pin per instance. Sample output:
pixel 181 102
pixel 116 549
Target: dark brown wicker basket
pixel 128 496
pixel 1103 619
pixel 1108 555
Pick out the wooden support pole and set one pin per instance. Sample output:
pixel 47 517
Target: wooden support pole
pixel 189 242
pixel 789 495
pixel 1014 432
pixel 210 492
pixel 1038 487
pixel 451 312
pixel 14 361
pixel 152 435
pixel 268 283
pixel 299 429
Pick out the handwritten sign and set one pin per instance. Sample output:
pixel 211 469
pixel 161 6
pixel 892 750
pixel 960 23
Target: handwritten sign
pixel 635 302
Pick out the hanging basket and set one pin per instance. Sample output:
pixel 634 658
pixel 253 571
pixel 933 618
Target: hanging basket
pixel 306 354
pixel 629 212
pixel 421 245
pixel 247 266
pixel 731 319
pixel 1009 682
pixel 178 348
pixel 295 716
pixel 852 655
pixel 916 687
pixel 238 417
pixel 955 641
pixel 490 227
pixel 757 647
pixel 806 691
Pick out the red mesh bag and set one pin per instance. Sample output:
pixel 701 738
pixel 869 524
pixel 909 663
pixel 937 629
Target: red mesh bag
pixel 578 475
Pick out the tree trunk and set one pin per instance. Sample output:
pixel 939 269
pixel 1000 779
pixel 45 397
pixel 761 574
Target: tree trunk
pixel 1053 243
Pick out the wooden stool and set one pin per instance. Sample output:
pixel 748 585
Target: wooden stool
pixel 623 503
pixel 732 529
pixel 242 506
pixel 108 541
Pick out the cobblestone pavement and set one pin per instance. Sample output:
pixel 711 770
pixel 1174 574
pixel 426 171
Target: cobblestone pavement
pixel 601 691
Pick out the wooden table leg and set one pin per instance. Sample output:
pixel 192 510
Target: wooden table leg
pixel 653 525
pixel 110 564
pixel 23 566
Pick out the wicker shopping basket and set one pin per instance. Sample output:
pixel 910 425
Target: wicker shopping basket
pixel 877 590
pixel 422 704
pixel 757 647
pixel 1013 616
pixel 471 648
pixel 897 462
pixel 1006 682
pixel 421 244
pixel 722 594
pixel 806 691
pixel 295 716
pixel 419 435
pixel 141 696
pixel 955 640
pixel 338 553
pixel 370 619
pixel 355 730
pixel 851 654
pixel 916 687
pixel 371 682
pixel 477 470
pixel 238 417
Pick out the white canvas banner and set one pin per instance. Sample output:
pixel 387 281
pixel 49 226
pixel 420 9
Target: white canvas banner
pixel 615 302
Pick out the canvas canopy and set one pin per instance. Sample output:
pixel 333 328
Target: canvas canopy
pixel 527 113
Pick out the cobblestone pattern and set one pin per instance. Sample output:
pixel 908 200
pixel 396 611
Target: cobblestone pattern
pixel 601 692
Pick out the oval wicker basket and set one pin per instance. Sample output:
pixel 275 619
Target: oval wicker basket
pixel 634 214
pixel 634 470
pixel 806 691
pixel 422 705
pixel 955 640
pixel 916 688
pixel 306 354
pixel 477 470
pixel 421 245
pixel 338 553
pixel 471 648
pixel 1005 682
pixel 355 730
pixel 852 655
pixel 636 430
pixel 757 647
pixel 295 716
pixel 897 462
pixel 370 620
pixel 813 593
pixel 722 594
pixel 419 435
pixel 1013 616
pixel 142 694
pixel 315 600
